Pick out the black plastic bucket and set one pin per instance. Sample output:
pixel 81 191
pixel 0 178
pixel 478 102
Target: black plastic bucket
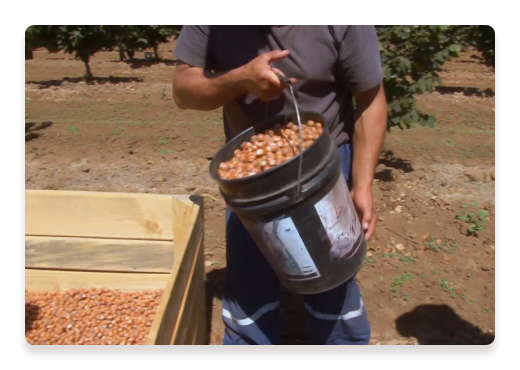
pixel 312 239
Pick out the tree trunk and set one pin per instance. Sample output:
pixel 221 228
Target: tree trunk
pixel 28 54
pixel 131 54
pixel 121 54
pixel 88 73
pixel 155 52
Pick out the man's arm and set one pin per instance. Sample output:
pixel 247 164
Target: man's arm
pixel 369 133
pixel 195 88
pixel 360 62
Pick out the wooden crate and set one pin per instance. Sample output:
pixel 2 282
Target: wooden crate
pixel 79 239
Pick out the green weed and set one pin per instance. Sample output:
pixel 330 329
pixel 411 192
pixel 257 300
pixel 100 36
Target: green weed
pixel 406 259
pixel 439 245
pixel 163 94
pixel 163 141
pixel 73 130
pixel 474 218
pixel 116 131
pixel 447 287
pixel 164 151
pixel 399 281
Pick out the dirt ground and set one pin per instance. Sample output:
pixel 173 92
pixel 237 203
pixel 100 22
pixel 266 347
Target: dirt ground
pixel 430 275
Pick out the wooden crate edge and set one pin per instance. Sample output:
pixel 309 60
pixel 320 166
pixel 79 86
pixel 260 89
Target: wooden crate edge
pixel 188 236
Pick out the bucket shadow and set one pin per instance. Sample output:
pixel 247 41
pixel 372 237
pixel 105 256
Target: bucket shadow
pixel 439 324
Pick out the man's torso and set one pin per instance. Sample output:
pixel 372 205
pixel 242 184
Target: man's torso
pixel 312 61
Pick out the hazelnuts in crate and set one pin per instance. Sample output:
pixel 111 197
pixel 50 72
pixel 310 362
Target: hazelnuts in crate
pixel 269 149
pixel 90 316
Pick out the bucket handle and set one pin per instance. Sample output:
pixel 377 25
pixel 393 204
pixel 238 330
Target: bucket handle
pixel 287 82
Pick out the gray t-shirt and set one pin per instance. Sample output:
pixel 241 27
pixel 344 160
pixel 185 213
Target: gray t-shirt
pixel 329 63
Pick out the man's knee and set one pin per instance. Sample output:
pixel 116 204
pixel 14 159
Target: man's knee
pixel 259 326
pixel 339 316
pixel 350 328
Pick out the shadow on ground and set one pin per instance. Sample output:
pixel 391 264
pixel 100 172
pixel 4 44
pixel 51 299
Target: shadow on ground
pixel 389 159
pixel 31 129
pixel 467 91
pixel 143 63
pixel 214 285
pixel 384 175
pixel 71 80
pixel 440 324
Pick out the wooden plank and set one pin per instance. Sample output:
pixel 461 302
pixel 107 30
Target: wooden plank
pixel 200 330
pixel 198 334
pixel 197 321
pixel 200 337
pixel 187 246
pixel 193 306
pixel 99 214
pixel 87 254
pixel 51 280
pixel 168 312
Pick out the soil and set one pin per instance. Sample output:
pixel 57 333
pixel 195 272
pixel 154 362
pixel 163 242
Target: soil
pixel 429 277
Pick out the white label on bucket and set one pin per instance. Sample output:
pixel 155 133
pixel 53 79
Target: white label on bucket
pixel 293 258
pixel 339 218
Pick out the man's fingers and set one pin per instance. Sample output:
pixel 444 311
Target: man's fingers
pixel 279 82
pixel 367 218
pixel 273 80
pixel 371 228
pixel 276 70
pixel 276 55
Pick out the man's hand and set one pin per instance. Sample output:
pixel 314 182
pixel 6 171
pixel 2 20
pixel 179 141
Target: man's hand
pixel 366 210
pixel 195 88
pixel 369 133
pixel 259 79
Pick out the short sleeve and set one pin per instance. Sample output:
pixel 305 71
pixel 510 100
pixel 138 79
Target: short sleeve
pixel 359 58
pixel 192 45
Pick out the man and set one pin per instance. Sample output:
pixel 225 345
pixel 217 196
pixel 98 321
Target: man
pixel 234 67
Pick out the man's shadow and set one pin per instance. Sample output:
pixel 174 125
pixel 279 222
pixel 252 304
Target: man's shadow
pixel 439 324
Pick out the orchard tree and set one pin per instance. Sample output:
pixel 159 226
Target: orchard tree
pixel 32 40
pixel 412 56
pixel 485 42
pixel 151 36
pixel 82 41
pixel 126 39
pixel 480 37
pixel 139 38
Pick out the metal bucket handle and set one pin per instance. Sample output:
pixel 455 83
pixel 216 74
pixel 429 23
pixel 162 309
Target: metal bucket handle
pixel 287 82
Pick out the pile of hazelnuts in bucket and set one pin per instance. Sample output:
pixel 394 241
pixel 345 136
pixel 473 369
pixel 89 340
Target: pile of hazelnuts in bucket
pixel 269 149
